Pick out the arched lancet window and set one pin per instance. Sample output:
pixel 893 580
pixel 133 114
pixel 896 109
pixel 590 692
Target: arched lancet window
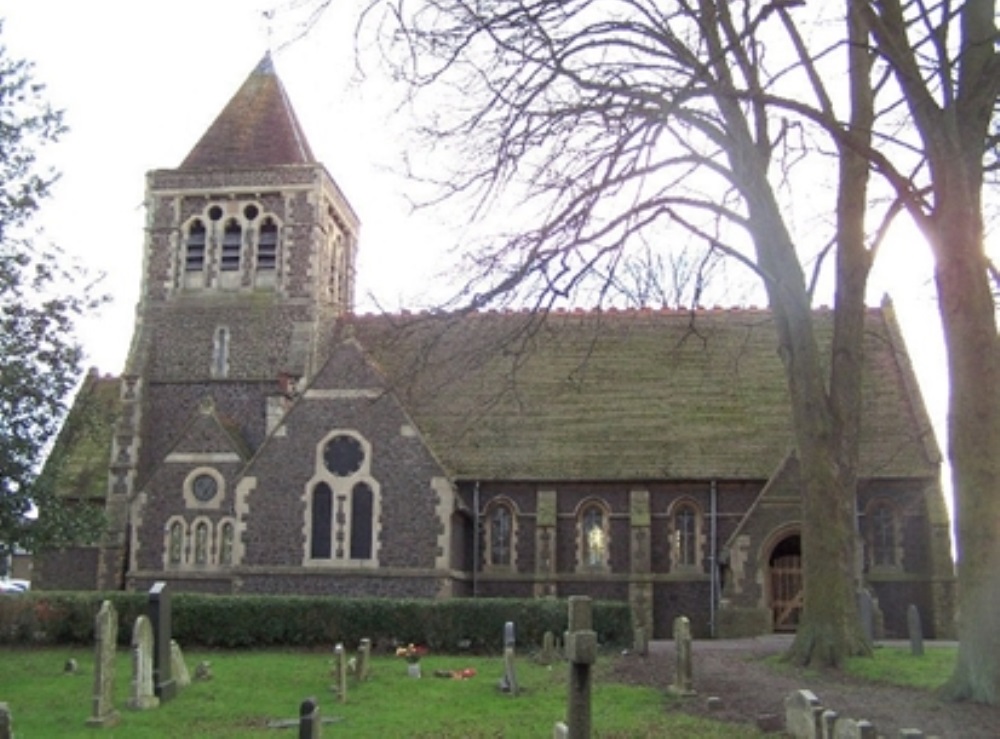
pixel 362 510
pixel 500 533
pixel 232 245
pixel 176 543
pixel 685 535
pixel 226 535
pixel 194 258
pixel 322 521
pixel 594 535
pixel 220 352
pixel 201 543
pixel 267 246
pixel 882 534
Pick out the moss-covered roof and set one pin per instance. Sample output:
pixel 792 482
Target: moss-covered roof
pixel 80 457
pixel 635 395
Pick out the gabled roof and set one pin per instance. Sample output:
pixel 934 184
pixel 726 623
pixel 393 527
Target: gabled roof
pixel 257 128
pixel 632 395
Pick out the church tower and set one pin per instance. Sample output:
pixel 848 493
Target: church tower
pixel 249 258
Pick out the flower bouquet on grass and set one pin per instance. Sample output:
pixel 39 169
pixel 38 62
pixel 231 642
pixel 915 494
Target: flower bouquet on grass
pixel 411 653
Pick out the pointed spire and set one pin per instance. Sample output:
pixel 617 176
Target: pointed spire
pixel 257 128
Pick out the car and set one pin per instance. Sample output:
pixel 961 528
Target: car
pixel 14 587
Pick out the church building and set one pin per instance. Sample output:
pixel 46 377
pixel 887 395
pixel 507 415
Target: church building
pixel 266 439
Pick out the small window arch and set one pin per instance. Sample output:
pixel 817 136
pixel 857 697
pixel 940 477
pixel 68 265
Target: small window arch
pixel 362 510
pixel 322 522
pixel 882 534
pixel 175 544
pixel 232 246
pixel 686 535
pixel 267 246
pixel 594 540
pixel 194 258
pixel 226 537
pixel 202 544
pixel 500 530
pixel 220 352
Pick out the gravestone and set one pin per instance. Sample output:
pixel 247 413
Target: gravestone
pixel 508 683
pixel 910 734
pixel 103 712
pixel 560 731
pixel 683 675
pixel 581 651
pixel 640 642
pixel 364 663
pixel 203 672
pixel 803 715
pixel 6 722
pixel 340 673
pixel 310 726
pixel 866 609
pixel 828 720
pixel 548 653
pixel 847 728
pixel 71 667
pixel 141 695
pixel 178 667
pixel 916 630
pixel 159 615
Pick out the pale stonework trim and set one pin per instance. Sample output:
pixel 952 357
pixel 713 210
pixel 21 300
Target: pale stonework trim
pixel 203 457
pixel 343 394
pixel 445 505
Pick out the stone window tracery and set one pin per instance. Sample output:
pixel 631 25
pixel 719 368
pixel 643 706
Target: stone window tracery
pixel 500 535
pixel 594 541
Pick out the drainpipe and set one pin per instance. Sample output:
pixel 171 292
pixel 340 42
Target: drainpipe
pixel 475 539
pixel 713 556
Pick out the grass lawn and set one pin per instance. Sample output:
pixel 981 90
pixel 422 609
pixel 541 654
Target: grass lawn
pixel 898 666
pixel 252 688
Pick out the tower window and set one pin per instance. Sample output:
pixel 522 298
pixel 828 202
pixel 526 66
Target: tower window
pixel 267 246
pixel 232 244
pixel 195 248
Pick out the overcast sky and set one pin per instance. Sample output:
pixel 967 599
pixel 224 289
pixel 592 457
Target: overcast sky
pixel 141 81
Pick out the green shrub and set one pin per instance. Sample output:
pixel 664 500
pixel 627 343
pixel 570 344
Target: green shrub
pixel 302 621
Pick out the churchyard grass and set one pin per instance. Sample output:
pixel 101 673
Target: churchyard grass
pixel 251 688
pixel 898 666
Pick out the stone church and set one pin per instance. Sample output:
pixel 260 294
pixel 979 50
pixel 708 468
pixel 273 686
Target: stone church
pixel 265 439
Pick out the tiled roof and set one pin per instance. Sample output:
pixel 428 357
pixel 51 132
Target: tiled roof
pixel 635 395
pixel 257 128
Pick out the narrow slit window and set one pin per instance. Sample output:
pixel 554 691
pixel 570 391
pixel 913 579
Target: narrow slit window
pixel 686 535
pixel 501 536
pixel 322 521
pixel 361 521
pixel 232 245
pixel 267 246
pixel 194 260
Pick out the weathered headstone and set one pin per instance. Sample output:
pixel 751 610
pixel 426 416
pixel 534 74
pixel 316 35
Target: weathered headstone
pixel 364 663
pixel 581 651
pixel 640 642
pixel 141 695
pixel 103 712
pixel 159 615
pixel 848 728
pixel 340 673
pixel 6 722
pixel 310 725
pixel 508 683
pixel 828 720
pixel 803 715
pixel 560 731
pixel 683 675
pixel 916 630
pixel 910 734
pixel 178 667
pixel 71 667
pixel 548 654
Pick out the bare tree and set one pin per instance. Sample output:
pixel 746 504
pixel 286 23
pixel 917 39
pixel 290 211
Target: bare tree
pixel 596 129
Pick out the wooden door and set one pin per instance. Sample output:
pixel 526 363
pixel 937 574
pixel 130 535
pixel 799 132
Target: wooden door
pixel 786 591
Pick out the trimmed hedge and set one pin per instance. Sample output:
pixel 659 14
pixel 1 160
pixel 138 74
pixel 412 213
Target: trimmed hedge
pixel 300 621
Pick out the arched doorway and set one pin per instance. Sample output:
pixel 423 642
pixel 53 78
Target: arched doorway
pixel 785 565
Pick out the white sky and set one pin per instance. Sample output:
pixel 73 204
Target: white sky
pixel 142 80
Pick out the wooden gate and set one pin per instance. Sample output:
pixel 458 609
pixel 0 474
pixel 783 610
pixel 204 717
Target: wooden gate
pixel 786 591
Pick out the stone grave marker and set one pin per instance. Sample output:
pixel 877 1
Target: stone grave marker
pixel 916 630
pixel 159 616
pixel 848 728
pixel 560 731
pixel 103 712
pixel 364 664
pixel 310 726
pixel 683 675
pixel 178 667
pixel 803 715
pixel 581 651
pixel 340 673
pixel 141 695
pixel 203 672
pixel 640 642
pixel 548 654
pixel 866 609
pixel 6 722
pixel 508 683
pixel 71 667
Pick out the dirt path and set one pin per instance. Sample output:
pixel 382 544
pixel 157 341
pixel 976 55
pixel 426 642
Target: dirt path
pixel 748 688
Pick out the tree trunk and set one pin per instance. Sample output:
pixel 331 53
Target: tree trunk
pixel 970 331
